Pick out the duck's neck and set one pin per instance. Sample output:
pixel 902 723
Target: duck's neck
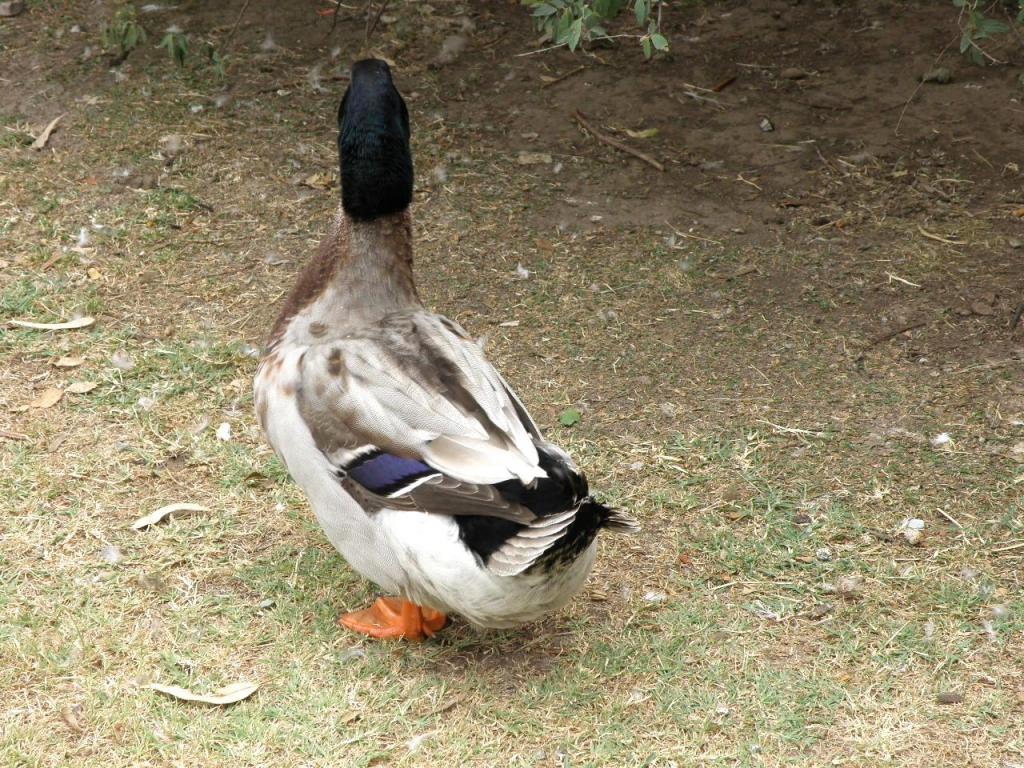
pixel 374 271
pixel 362 271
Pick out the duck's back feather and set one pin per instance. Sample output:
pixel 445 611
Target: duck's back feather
pixel 413 417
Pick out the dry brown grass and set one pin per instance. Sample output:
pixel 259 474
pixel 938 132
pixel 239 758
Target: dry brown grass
pixel 728 413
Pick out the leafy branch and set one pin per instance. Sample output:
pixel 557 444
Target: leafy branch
pixel 976 26
pixel 576 23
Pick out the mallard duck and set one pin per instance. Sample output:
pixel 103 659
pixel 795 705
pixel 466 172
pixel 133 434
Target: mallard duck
pixel 420 462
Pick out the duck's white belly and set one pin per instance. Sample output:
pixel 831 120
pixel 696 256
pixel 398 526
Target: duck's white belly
pixel 413 554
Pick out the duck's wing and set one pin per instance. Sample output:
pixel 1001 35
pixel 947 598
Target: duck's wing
pixel 412 416
pixel 413 386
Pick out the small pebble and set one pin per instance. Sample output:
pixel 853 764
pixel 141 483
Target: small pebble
pixel 793 73
pixel 949 697
pixel 824 554
pixel 913 536
pixel 766 125
pixel 451 49
pixel 111 554
pixel 849 586
pixel 819 611
pixel 12 8
pixel 939 75
pixel 122 361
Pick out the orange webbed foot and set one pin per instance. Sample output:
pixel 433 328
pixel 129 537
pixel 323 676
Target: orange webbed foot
pixel 392 617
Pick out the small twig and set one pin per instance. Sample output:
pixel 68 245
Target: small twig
pixel 739 177
pixel 234 27
pixel 890 335
pixel 899 279
pixel 693 237
pixel 906 104
pixel 44 137
pixel 564 76
pixel 939 238
pixel 1010 547
pixel 543 50
pixel 371 26
pixel 6 435
pixel 792 430
pixel 615 143
pixel 950 518
pixel 723 84
pixel 59 255
pixel 697 97
pixel 1018 313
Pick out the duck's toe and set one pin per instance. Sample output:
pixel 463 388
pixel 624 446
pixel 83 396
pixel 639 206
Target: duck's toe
pixel 392 617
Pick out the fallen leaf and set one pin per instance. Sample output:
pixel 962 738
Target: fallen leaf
pixel 319 181
pixel 80 322
pixel 72 717
pixel 81 387
pixel 229 694
pixel 161 514
pixel 646 133
pixel 1019 213
pixel 44 137
pixel 49 398
pixel 534 158
pixel 69 362
pixel 151 581
pixel 569 417
pixel 949 697
pixel 122 360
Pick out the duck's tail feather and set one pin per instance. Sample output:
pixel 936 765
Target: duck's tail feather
pixel 612 519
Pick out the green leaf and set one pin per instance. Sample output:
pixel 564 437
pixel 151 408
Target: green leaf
pixel 645 43
pixel 989 27
pixel 965 41
pixel 641 8
pixel 659 41
pixel 570 417
pixel 958 3
pixel 575 33
pixel 544 9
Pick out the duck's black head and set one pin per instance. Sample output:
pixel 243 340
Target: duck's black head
pixel 373 144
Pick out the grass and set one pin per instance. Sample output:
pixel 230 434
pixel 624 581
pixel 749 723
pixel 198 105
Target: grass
pixel 766 471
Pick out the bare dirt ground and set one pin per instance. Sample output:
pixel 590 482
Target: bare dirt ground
pixel 783 346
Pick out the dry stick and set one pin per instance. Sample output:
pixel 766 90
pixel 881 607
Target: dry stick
pixel 1010 547
pixel 890 335
pixel 234 27
pixel 950 518
pixel 566 76
pixel 1016 317
pixel 614 143
pixel 722 85
pixel 906 104
pixel 371 27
